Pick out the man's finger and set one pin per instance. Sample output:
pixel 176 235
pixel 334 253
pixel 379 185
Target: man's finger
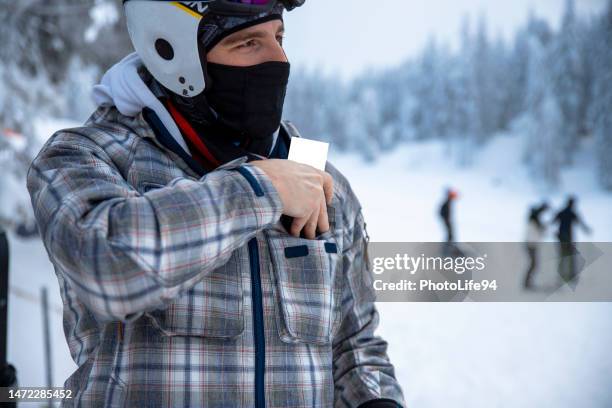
pixel 310 229
pixel 323 221
pixel 328 187
pixel 298 225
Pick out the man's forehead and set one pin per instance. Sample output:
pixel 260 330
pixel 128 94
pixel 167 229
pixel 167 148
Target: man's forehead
pixel 260 30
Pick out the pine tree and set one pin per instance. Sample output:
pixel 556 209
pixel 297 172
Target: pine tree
pixel 463 120
pixel 601 107
pixel 567 71
pixel 517 75
pixel 408 106
pixel 483 82
pixel 431 114
pixel 542 119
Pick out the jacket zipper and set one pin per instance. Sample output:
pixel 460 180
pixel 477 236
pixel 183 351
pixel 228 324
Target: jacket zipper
pixel 258 325
pixel 257 303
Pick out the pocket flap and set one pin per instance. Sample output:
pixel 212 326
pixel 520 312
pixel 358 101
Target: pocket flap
pixel 306 275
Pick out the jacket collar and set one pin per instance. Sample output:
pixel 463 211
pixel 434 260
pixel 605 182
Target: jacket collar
pixel 154 130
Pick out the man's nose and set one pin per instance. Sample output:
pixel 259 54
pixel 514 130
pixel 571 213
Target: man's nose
pixel 276 52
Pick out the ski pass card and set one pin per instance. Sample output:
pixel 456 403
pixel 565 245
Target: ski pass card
pixel 310 152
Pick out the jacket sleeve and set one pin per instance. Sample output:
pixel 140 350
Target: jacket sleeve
pixel 362 370
pixel 126 253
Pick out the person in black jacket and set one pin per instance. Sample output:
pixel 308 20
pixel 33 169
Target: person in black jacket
pixel 566 218
pixel 446 212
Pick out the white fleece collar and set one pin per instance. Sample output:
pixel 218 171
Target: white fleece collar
pixel 123 88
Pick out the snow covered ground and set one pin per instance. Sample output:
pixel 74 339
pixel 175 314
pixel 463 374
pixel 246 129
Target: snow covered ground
pixel 446 355
pixel 486 354
pixel 401 195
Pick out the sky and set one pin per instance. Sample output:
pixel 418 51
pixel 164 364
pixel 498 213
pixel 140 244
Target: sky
pixel 349 37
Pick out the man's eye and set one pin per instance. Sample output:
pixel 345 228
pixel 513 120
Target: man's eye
pixel 280 39
pixel 248 44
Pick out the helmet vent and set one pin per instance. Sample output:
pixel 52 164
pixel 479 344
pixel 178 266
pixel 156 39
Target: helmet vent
pixel 164 49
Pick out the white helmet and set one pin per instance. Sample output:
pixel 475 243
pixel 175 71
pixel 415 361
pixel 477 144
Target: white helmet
pixel 172 37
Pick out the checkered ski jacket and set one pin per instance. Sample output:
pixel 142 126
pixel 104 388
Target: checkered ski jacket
pixel 184 290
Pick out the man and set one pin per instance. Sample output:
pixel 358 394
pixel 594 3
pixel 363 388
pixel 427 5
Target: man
pixel 566 218
pixel 446 212
pixel 161 215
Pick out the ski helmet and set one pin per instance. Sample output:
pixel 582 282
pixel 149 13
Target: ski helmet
pixel 173 37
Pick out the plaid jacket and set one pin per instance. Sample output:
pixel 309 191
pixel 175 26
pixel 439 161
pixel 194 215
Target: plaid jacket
pixel 184 290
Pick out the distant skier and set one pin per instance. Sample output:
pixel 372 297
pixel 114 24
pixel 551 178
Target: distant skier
pixel 535 233
pixel 446 213
pixel 566 218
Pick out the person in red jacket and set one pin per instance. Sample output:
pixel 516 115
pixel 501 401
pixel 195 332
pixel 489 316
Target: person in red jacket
pixel 446 213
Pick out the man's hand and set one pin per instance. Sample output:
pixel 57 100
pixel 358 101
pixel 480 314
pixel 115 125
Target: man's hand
pixel 304 192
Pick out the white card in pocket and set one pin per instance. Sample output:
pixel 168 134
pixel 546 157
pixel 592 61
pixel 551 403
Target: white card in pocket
pixel 310 152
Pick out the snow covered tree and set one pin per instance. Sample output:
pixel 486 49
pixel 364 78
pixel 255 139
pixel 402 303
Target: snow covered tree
pixel 484 99
pixel 364 123
pixel 464 121
pixel 601 107
pixel 390 91
pixel 431 115
pixel 543 153
pixel 567 69
pixel 407 79
pixel 517 75
pixel 310 98
pixel 47 49
pixel 107 39
pixel 542 120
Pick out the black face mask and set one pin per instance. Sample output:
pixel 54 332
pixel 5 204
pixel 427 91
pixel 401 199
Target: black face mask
pixel 248 100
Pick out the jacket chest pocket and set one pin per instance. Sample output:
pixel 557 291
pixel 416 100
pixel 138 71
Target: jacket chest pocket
pixel 212 308
pixel 307 275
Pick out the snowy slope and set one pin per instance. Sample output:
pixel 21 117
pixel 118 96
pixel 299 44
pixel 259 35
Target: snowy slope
pixel 446 355
pixel 30 271
pixel 486 354
pixel 401 194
